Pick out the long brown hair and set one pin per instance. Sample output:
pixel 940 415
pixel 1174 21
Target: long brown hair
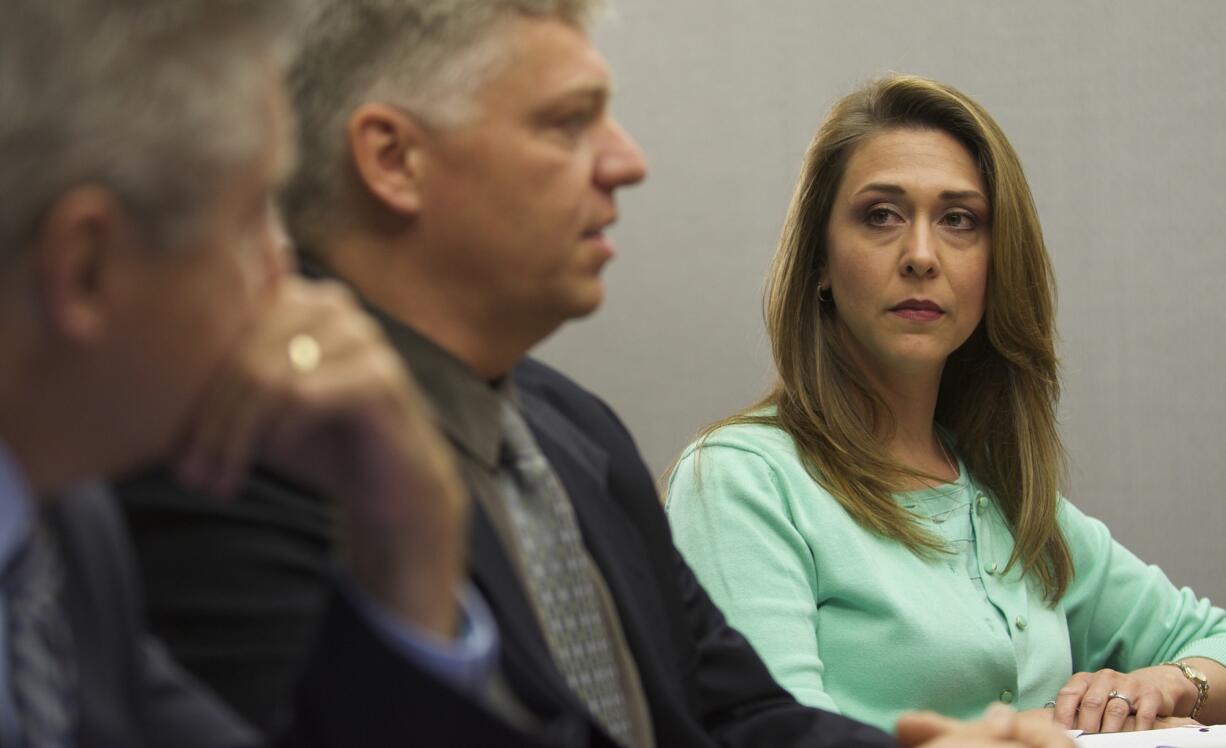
pixel 998 391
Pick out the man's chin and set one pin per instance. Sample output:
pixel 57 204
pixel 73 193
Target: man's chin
pixel 586 304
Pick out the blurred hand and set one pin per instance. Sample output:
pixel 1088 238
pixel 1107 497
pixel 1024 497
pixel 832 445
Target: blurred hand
pixel 348 421
pixel 1083 703
pixel 1001 727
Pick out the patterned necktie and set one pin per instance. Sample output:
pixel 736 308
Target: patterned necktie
pixel 560 576
pixel 40 645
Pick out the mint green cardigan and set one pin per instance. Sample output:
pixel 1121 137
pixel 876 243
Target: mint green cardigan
pixel 855 623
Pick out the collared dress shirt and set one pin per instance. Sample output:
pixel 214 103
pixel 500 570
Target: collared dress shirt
pixel 853 622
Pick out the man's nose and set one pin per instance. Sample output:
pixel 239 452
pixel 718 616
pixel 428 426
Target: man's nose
pixel 622 163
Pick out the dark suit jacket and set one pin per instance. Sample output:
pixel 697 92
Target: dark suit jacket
pixel 354 689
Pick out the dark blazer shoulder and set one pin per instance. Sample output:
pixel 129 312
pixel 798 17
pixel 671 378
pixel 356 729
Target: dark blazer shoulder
pixel 592 422
pixel 543 385
pixel 542 380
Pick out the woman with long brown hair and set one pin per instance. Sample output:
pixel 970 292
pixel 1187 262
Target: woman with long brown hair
pixel 886 525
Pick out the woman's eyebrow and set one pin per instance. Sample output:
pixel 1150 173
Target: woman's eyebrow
pixel 894 189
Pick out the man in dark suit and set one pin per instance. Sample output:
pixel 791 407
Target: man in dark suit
pixel 460 164
pixel 146 311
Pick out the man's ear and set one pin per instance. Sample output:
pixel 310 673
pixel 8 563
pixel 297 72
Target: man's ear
pixel 83 237
pixel 385 145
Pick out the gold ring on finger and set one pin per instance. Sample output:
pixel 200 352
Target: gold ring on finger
pixel 304 353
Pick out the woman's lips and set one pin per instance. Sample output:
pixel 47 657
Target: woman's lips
pixel 917 310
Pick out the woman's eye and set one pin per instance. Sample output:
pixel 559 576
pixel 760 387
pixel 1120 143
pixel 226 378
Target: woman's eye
pixel 880 217
pixel 960 221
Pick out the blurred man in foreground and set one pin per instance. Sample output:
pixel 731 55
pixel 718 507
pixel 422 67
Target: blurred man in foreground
pixel 147 313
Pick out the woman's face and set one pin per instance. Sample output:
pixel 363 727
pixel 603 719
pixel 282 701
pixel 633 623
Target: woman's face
pixel 908 242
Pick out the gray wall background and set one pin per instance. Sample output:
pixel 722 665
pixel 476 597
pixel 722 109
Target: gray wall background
pixel 1118 110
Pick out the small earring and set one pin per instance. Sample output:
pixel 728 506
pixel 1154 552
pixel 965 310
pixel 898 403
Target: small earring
pixel 824 299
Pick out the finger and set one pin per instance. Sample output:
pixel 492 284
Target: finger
pixel 1161 723
pixel 203 432
pixel 1001 727
pixel 325 424
pixel 1036 728
pixel 1090 714
pixel 1069 699
pixel 258 383
pixel 260 352
pixel 1148 702
pixel 999 720
pixel 1116 710
pixel 914 728
pixel 236 450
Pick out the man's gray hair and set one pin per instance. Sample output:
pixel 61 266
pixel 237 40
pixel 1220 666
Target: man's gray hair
pixel 428 57
pixel 155 100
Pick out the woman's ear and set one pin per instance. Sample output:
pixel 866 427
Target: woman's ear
pixel 385 143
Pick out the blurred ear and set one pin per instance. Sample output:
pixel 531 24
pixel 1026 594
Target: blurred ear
pixel 85 238
pixel 384 143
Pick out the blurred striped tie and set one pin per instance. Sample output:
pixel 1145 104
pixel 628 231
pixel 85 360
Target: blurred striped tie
pixel 42 668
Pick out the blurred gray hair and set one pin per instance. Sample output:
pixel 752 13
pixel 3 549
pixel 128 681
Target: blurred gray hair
pixel 155 100
pixel 428 57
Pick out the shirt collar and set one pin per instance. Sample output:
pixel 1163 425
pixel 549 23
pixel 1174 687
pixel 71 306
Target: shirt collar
pixel 466 408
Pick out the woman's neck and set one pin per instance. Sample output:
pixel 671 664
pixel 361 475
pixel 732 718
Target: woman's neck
pixel 912 400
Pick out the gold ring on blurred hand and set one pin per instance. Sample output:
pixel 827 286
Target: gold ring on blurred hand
pixel 304 353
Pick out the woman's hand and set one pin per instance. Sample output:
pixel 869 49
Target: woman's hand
pixel 1086 702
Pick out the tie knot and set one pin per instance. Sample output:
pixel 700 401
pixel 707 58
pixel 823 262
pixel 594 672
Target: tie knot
pixel 518 445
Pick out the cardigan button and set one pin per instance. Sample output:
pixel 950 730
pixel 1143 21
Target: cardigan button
pixel 992 568
pixel 1020 623
pixel 1006 696
pixel 981 503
